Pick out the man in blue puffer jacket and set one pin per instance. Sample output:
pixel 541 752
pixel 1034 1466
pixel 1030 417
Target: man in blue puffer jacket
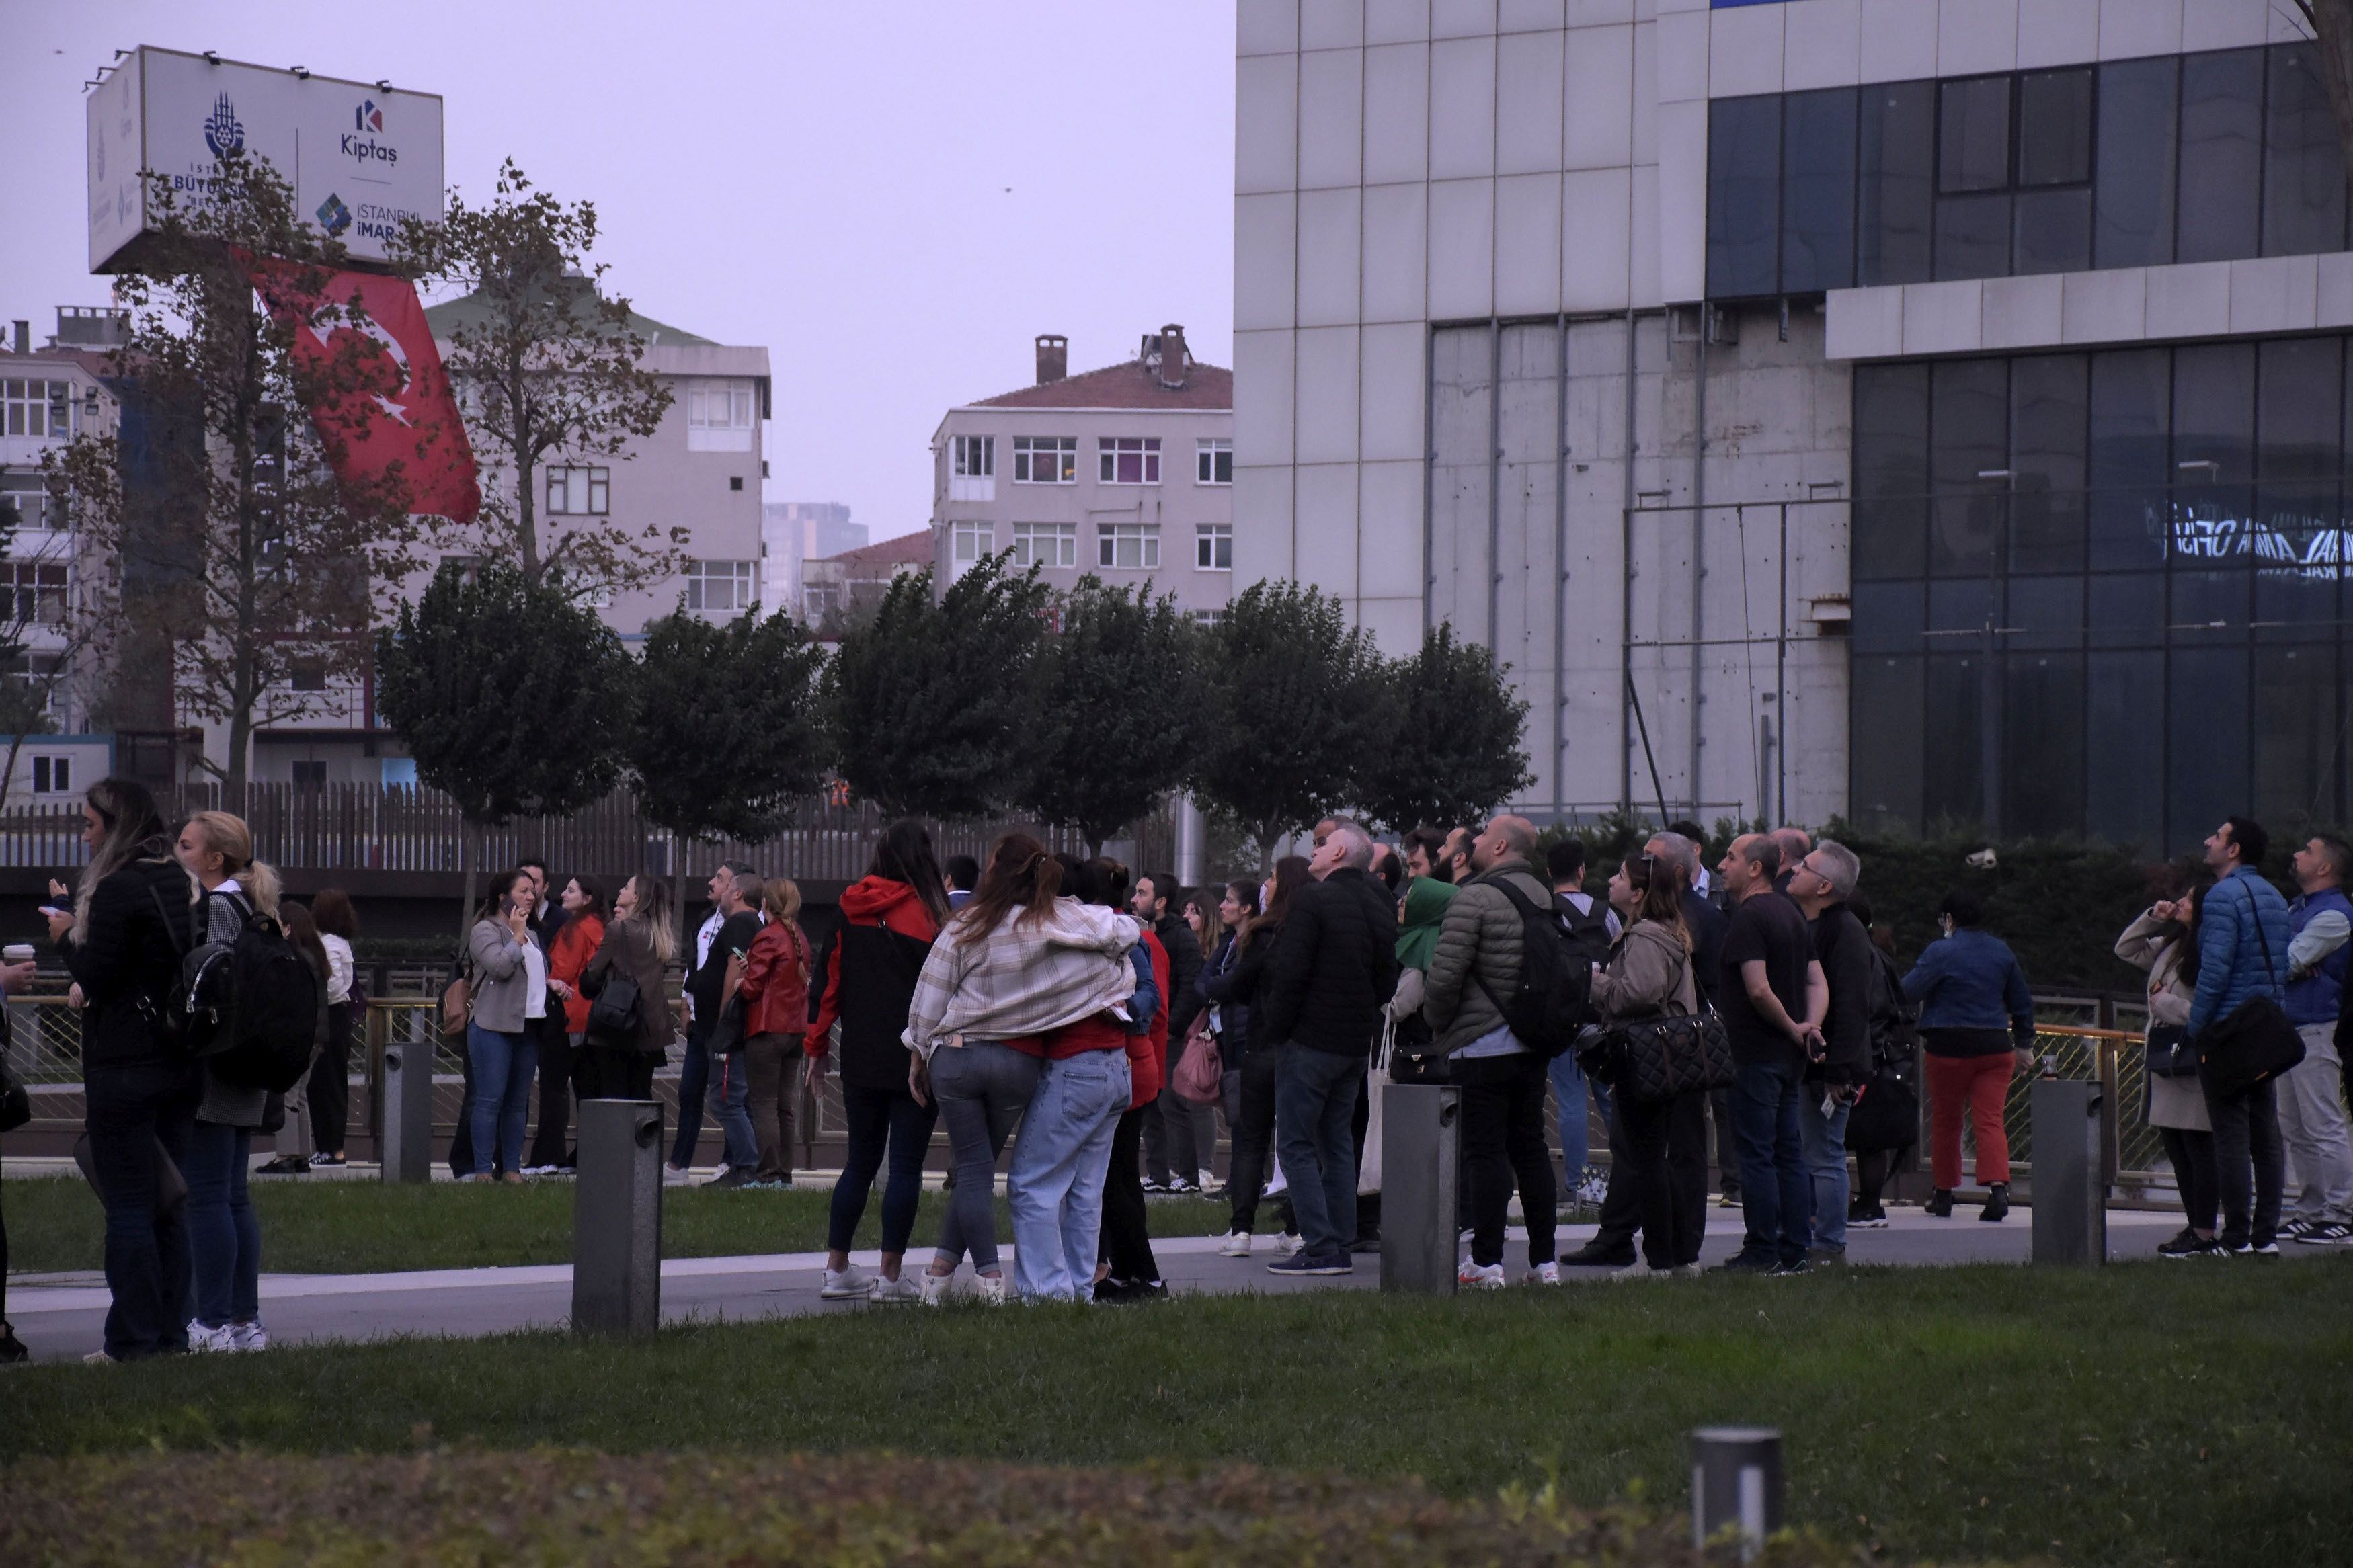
pixel 2242 952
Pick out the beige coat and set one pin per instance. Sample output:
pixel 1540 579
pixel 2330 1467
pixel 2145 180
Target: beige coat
pixel 1648 972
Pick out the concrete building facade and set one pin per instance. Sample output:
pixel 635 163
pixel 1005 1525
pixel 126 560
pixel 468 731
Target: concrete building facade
pixel 1893 409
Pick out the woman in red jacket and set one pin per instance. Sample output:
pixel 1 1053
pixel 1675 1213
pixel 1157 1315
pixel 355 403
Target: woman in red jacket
pixel 576 940
pixel 890 917
pixel 773 980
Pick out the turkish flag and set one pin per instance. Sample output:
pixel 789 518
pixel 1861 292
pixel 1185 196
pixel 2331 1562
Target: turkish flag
pixel 392 407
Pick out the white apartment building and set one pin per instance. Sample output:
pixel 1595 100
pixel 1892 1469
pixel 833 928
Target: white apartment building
pixel 1123 473
pixel 1928 412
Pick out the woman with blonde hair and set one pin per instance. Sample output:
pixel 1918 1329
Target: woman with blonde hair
pixel 637 945
pixel 772 977
pixel 224 1239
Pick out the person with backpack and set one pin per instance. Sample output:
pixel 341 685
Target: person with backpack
pixel 510 995
pixel 224 1239
pixel 625 1041
pixel 130 922
pixel 1488 947
pixel 889 919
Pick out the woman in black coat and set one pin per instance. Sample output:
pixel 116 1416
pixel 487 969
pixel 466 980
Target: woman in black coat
pixel 1235 988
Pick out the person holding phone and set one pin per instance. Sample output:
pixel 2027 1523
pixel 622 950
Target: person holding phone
pixel 509 993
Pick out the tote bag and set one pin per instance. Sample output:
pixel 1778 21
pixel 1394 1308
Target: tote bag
pixel 1368 1169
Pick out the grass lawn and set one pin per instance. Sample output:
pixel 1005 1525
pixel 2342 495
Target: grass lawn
pixel 366 1227
pixel 2146 1413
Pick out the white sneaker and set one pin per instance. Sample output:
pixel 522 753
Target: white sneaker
pixel 676 1175
pixel 249 1336
pixel 1206 1183
pixel 540 1170
pixel 1237 1244
pixel 899 1289
pixel 201 1339
pixel 850 1284
pixel 1288 1243
pixel 1480 1276
pixel 991 1288
pixel 1638 1269
pixel 97 1358
pixel 935 1288
pixel 1543 1274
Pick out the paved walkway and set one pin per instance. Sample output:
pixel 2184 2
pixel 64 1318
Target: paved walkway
pixel 59 1316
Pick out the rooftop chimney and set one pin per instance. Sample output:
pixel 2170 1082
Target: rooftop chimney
pixel 1175 361
pixel 1054 358
pixel 23 337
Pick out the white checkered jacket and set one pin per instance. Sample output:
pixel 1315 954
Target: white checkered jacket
pixel 1023 978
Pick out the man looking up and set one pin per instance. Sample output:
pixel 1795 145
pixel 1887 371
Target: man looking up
pixel 1822 884
pixel 1772 994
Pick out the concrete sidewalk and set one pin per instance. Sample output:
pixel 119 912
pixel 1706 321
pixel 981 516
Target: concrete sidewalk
pixel 61 1316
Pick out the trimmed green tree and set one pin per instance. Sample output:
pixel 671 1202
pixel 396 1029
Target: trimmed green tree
pixel 932 703
pixel 729 735
pixel 514 700
pixel 1294 708
pixel 1118 710
pixel 1450 750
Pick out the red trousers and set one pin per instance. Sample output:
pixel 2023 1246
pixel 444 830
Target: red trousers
pixel 1981 1085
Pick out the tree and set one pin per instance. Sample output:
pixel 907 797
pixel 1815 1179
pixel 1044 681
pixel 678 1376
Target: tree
pixel 209 522
pixel 513 699
pixel 729 735
pixel 1116 713
pixel 1450 749
pixel 548 365
pixel 2331 22
pixel 1294 709
pixel 932 704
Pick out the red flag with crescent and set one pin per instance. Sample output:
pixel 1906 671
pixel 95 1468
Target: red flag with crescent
pixel 375 408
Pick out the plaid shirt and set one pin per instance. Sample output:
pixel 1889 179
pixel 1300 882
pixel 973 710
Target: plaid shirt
pixel 1023 978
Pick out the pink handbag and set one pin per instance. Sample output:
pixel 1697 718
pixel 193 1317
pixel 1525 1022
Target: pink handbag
pixel 1200 1074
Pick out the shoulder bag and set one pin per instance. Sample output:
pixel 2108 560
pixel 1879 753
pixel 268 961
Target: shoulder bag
pixel 2255 1042
pixel 1199 1075
pixel 2170 1053
pixel 1665 1055
pixel 615 1012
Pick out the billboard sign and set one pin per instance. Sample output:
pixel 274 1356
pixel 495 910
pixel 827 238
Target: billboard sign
pixel 360 155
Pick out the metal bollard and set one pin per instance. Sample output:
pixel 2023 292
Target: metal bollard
pixel 1737 1481
pixel 616 1218
pixel 407 1151
pixel 1420 1129
pixel 2071 1216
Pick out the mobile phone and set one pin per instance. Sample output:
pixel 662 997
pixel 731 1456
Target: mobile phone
pixel 51 911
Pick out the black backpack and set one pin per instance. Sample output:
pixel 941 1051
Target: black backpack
pixel 1554 996
pixel 248 1006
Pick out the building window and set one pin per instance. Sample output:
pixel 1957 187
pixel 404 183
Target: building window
pixel 579 492
pixel 1213 459
pixel 37 672
pixel 1127 459
pixel 26 493
pixel 1045 460
pixel 1128 546
pixel 1045 544
pixel 1213 546
pixel 37 592
pixel 719 416
pixel 967 543
pixel 310 773
pixel 1208 618
pixel 36 407
pixel 52 776
pixel 725 587
pixel 308 675
pixel 972 456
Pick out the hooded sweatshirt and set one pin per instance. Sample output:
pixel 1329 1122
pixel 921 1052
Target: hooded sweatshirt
pixel 877 903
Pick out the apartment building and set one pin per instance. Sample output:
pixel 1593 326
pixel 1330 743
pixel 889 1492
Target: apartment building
pixel 794 533
pixel 1124 473
pixel 1928 412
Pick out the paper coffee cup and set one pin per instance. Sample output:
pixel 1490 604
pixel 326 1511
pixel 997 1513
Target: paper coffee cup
pixel 16 952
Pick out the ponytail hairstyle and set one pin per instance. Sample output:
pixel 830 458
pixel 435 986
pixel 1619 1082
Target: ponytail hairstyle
pixel 133 830
pixel 1022 880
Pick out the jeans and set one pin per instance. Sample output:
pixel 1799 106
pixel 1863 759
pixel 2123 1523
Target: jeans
pixel 1125 1243
pixel 461 1141
pixel 2312 1125
pixel 330 1090
pixel 224 1240
pixel 693 1083
pixel 731 1099
pixel 877 1118
pixel 768 1063
pixel 2192 1156
pixel 2248 1163
pixel 1661 1160
pixel 982 1090
pixel 1777 1197
pixel 502 1065
pixel 1980 1085
pixel 1570 1089
pixel 1727 1141
pixel 1315 1104
pixel 1059 1168
pixel 559 1067
pixel 1822 1142
pixel 1502 1137
pixel 134 1111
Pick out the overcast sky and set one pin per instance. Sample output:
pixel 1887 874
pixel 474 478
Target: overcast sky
pixel 892 198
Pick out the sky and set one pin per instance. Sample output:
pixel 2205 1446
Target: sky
pixel 893 196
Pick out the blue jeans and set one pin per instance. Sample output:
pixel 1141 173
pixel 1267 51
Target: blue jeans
pixel 1059 1168
pixel 502 1070
pixel 224 1240
pixel 694 1082
pixel 1824 1150
pixel 1569 1088
pixel 1315 1137
pixel 881 1120
pixel 1776 1196
pixel 131 1109
pixel 731 1107
pixel 982 1088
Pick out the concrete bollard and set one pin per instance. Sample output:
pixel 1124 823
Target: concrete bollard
pixel 1420 1131
pixel 407 1151
pixel 1735 1481
pixel 2071 1215
pixel 616 1218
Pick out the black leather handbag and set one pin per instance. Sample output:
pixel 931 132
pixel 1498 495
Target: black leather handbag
pixel 2170 1053
pixel 1657 1059
pixel 2254 1043
pixel 614 1011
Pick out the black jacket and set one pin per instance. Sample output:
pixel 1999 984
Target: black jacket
pixel 1848 961
pixel 734 936
pixel 1184 963
pixel 1332 967
pixel 131 956
pixel 1233 980
pixel 1706 924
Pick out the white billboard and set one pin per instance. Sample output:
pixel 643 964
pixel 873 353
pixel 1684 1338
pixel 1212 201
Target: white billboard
pixel 361 155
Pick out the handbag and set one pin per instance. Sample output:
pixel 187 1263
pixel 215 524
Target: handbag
pixel 2168 1052
pixel 1660 1058
pixel 1368 1165
pixel 613 1012
pixel 457 1006
pixel 2254 1043
pixel 1199 1075
pixel 1886 1113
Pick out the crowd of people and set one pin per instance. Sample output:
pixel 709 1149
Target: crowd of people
pixel 1048 1001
